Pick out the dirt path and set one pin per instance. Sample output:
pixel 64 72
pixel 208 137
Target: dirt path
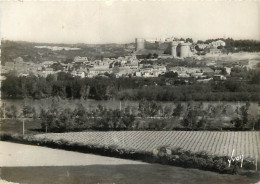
pixel 12 155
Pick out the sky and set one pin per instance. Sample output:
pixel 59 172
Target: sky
pixel 96 22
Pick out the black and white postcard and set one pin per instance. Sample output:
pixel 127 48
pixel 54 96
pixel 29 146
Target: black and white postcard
pixel 130 92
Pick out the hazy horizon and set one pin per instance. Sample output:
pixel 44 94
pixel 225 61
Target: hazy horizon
pixel 109 22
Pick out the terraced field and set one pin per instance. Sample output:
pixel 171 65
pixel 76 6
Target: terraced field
pixel 213 142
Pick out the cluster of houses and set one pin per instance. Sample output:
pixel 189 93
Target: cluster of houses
pixel 213 47
pixel 201 74
pixel 121 67
pixel 82 67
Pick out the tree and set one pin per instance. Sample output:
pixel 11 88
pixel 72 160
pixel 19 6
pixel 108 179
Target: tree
pixel 148 109
pixel 178 110
pixel 171 74
pixel 238 123
pixel 257 124
pixel 10 86
pixel 127 121
pixel 216 110
pixel 62 76
pixel 167 111
pixel 200 42
pixel 149 56
pixel 202 123
pixel 29 112
pixel 80 115
pixel 195 116
pixel 256 78
pixel 84 92
pixel 155 124
pixel 227 110
pixel 105 122
pixel 189 40
pixel 253 115
pixel 13 111
pixel 57 66
pixel 49 119
pixel 241 121
pixel 50 78
pixel 198 49
pixel 65 121
pixel 244 112
pixel 191 119
pixel 155 55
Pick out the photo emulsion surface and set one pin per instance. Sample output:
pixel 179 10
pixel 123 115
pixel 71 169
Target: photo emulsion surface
pixel 130 92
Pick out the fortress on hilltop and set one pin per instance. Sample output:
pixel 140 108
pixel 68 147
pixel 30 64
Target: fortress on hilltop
pixel 173 47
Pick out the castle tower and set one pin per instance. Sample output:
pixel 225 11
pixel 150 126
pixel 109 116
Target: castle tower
pixel 185 50
pixel 139 43
pixel 174 45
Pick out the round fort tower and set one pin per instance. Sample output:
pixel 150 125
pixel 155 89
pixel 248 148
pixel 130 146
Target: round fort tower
pixel 174 45
pixel 140 43
pixel 185 50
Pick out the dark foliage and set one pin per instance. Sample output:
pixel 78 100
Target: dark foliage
pixel 167 88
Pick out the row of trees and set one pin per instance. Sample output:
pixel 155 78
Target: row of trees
pixel 81 119
pixel 13 112
pixel 192 116
pixel 150 115
pixel 65 86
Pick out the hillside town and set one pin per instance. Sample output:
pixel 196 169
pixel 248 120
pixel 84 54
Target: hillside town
pixel 144 61
pixel 129 92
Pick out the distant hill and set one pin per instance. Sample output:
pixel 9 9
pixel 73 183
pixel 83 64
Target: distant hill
pixel 29 53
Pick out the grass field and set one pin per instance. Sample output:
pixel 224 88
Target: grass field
pixel 15 126
pixel 213 142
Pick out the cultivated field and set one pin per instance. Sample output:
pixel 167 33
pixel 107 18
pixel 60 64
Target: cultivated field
pixel 213 142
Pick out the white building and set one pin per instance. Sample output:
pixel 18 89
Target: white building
pixel 218 43
pixel 219 77
pixel 47 72
pixel 47 64
pixel 79 59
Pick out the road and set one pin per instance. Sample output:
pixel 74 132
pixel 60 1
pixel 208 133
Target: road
pixel 34 164
pixel 20 155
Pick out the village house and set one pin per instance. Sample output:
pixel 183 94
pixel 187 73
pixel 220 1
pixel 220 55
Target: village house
pixel 218 43
pixel 9 66
pixel 202 45
pixel 133 64
pixel 219 77
pixel 47 72
pixel 79 73
pixel 79 59
pixel 47 64
pixel 214 51
pixel 18 60
pixel 92 72
pixel 204 80
pixel 228 70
